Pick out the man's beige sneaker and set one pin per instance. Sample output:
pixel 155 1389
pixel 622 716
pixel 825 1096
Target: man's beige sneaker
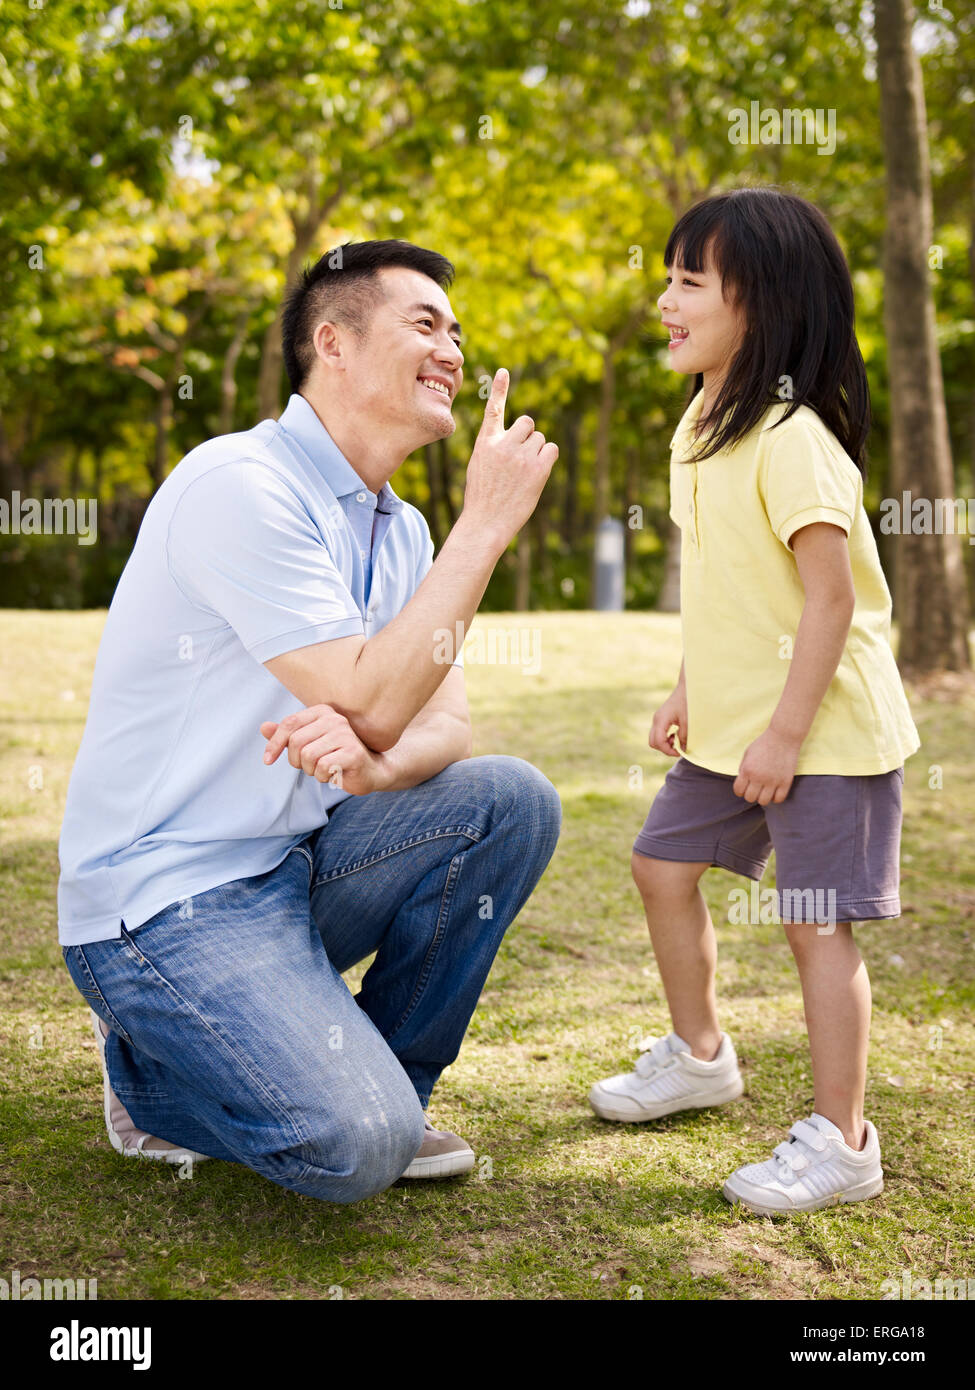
pixel 441 1155
pixel 125 1137
pixel 667 1079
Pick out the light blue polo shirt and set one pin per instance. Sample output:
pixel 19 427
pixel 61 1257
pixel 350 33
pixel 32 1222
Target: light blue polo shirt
pixel 256 544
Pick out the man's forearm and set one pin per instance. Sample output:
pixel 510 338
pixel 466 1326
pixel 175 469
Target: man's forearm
pixel 381 684
pixel 399 669
pixel 426 747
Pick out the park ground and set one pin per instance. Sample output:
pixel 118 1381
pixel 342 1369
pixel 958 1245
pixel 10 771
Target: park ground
pixel 561 1205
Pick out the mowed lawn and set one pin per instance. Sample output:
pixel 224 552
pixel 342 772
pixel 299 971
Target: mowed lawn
pixel 561 1204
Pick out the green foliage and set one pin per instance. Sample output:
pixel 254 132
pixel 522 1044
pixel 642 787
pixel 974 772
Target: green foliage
pixel 167 163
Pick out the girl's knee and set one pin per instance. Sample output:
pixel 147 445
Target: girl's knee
pixel 806 938
pixel 656 877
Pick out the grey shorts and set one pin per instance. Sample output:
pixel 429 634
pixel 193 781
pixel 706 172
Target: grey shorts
pixel 836 839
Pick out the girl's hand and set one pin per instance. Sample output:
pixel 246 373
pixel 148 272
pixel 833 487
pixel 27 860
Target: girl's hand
pixel 672 711
pixel 322 743
pixel 767 769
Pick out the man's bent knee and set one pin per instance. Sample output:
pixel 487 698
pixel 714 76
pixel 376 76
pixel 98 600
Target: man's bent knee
pixel 358 1154
pixel 527 792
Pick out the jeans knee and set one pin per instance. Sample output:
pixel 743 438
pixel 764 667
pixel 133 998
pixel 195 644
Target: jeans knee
pixel 358 1153
pixel 531 799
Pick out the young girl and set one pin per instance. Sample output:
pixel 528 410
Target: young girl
pixel 789 711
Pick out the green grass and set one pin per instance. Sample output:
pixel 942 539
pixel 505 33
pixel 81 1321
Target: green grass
pixel 567 1206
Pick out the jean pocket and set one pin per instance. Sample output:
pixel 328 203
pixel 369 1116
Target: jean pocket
pixel 306 854
pixel 78 967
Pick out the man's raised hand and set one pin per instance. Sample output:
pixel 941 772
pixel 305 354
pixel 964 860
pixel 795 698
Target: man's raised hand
pixel 508 468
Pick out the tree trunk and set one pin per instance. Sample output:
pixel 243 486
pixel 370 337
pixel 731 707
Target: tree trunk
pixel 669 600
pixel 6 463
pixel 443 460
pixel 272 355
pixel 929 583
pixel 540 522
pixel 74 472
pixel 604 424
pixel 631 493
pixel 164 421
pixel 523 571
pixel 433 506
pixel 970 487
pixel 569 457
pixel 306 229
pixel 228 376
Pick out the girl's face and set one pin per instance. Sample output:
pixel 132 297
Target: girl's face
pixel 705 330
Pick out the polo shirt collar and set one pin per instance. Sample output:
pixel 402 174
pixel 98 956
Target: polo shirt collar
pixel 300 421
pixel 683 439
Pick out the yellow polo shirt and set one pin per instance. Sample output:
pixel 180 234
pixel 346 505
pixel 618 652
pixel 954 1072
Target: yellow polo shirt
pixel 741 598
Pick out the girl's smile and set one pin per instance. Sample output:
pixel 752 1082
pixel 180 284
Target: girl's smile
pixel 705 329
pixel 678 335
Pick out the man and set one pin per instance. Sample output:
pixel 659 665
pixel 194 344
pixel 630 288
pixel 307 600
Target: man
pixel 210 897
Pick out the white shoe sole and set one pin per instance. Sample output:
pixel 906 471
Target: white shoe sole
pixel 175 1156
pixel 441 1165
pixel 871 1187
pixel 607 1106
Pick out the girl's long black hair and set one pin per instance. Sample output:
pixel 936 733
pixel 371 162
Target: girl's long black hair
pixel 779 256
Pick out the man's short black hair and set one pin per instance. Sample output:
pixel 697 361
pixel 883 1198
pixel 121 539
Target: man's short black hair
pixel 343 287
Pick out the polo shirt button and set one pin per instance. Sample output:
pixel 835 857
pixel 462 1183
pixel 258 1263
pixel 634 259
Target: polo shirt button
pixel 360 497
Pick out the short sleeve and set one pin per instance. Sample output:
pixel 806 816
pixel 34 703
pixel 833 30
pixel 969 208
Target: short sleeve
pixel 242 545
pixel 423 569
pixel 807 479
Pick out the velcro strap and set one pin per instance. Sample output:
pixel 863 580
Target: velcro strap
pixel 808 1133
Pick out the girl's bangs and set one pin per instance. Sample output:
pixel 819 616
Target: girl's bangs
pixel 696 240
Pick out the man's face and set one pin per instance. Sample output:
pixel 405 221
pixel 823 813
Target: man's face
pixel 404 376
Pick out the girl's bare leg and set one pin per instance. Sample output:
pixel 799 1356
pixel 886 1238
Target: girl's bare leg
pixel 685 947
pixel 836 999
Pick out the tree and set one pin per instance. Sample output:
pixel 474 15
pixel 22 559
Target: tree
pixel 929 583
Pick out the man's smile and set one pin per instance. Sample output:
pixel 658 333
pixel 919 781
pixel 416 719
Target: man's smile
pixel 438 384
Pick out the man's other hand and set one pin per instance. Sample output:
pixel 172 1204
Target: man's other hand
pixel 322 743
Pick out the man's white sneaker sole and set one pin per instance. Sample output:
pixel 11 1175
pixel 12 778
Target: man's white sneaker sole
pixel 175 1156
pixel 441 1165
pixel 609 1106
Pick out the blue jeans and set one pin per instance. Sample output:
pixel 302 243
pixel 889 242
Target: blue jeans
pixel 233 1032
